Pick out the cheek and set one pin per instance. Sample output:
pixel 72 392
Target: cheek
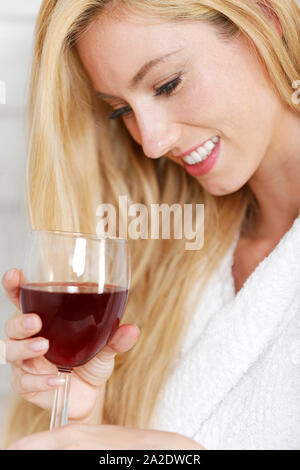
pixel 242 113
pixel 132 128
pixel 197 103
pixel 204 102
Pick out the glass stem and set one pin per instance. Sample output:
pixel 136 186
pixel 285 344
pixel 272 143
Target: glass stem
pixel 59 414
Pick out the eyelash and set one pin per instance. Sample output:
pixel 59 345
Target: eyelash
pixel 166 90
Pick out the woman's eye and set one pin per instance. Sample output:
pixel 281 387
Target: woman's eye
pixel 120 112
pixel 169 87
pixel 166 89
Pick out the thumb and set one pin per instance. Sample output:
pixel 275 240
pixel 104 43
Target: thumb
pixel 99 369
pixel 122 340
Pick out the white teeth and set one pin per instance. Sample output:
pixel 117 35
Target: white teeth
pixel 209 145
pixel 189 160
pixel 202 152
pixel 195 157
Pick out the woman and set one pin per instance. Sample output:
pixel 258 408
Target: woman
pixel 210 322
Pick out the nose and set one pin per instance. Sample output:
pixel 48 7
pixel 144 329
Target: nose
pixel 158 136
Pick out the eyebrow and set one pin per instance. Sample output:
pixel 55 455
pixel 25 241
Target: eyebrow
pixel 144 70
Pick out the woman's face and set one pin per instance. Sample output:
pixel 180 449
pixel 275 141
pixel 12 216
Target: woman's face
pixel 215 89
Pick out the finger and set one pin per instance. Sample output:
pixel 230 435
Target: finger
pixel 11 284
pixel 23 326
pixel 24 384
pixel 38 365
pixel 26 349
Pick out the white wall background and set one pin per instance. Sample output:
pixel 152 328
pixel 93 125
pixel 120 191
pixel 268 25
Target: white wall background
pixel 17 20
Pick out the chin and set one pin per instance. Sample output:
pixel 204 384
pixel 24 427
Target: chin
pixel 221 190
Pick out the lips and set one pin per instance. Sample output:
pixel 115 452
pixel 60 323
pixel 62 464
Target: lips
pixel 204 167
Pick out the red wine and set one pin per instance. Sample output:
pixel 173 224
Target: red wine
pixel 76 319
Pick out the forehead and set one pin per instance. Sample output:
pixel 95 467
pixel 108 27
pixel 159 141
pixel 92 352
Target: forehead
pixel 114 47
pixel 130 32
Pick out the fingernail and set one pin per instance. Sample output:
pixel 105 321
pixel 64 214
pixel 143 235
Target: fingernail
pixel 39 345
pixel 29 322
pixel 55 381
pixel 10 274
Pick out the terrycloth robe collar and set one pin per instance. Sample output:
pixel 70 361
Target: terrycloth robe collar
pixel 234 338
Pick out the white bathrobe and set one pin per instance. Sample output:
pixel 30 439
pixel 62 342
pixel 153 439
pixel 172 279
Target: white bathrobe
pixel 236 381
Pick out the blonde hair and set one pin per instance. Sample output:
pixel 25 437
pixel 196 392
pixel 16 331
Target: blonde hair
pixel 79 159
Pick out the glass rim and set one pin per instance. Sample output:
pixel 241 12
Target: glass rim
pixel 70 234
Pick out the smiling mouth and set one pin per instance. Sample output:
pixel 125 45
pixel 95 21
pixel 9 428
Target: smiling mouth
pixel 199 153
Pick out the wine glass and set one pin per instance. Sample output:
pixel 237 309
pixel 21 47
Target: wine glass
pixel 78 284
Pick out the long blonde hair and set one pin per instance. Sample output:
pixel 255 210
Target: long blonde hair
pixel 79 159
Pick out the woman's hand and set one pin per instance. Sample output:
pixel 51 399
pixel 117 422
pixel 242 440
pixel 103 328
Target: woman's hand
pixel 104 437
pixel 33 376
